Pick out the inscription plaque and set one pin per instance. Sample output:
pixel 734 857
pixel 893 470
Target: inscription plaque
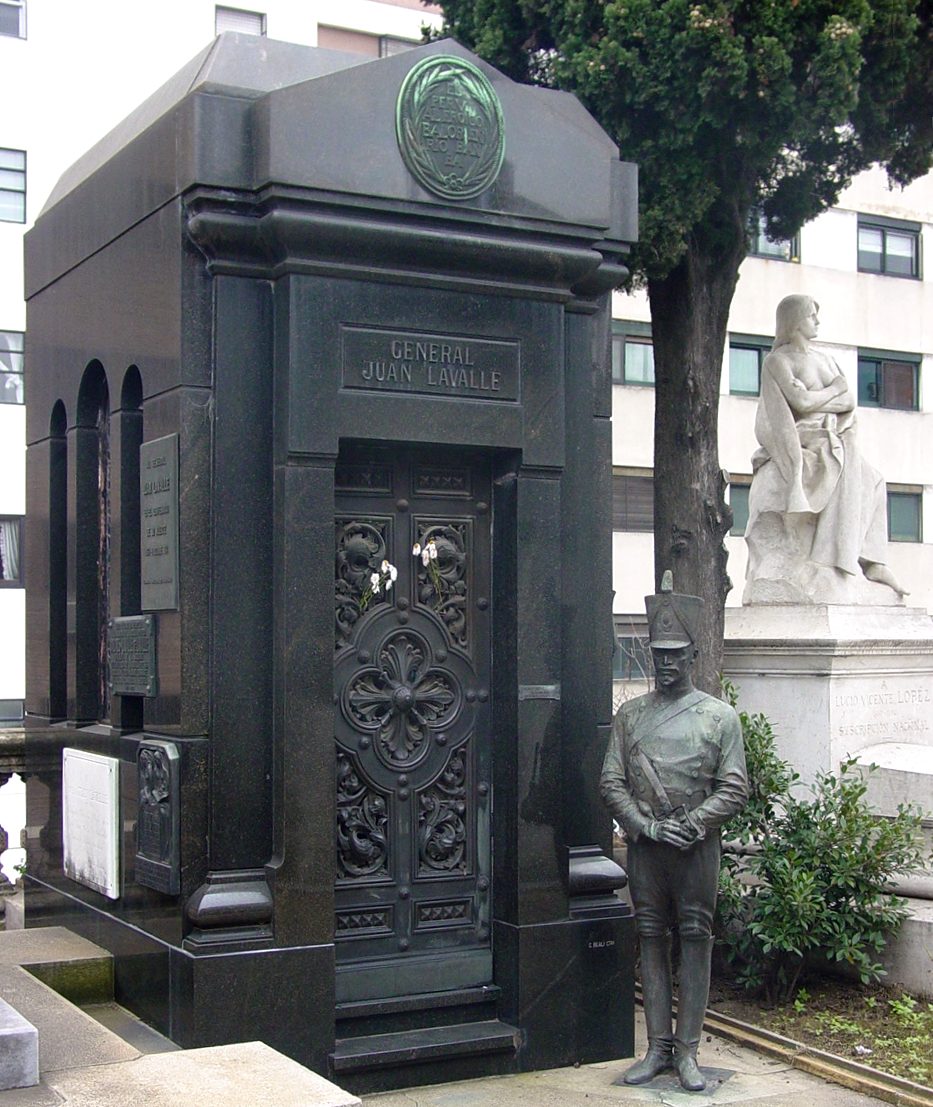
pixel 131 653
pixel 157 823
pixel 158 517
pixel 429 364
pixel 91 820
pixel 897 709
pixel 448 122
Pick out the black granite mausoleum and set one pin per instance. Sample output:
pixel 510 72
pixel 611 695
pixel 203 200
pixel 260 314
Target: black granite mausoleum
pixel 296 315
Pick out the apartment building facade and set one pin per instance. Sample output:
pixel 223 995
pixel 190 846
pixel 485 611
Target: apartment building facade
pixel 867 263
pixel 73 73
pixel 79 71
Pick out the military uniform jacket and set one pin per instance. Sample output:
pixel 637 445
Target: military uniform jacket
pixel 694 746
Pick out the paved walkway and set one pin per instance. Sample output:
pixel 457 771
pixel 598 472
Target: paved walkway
pixel 735 1076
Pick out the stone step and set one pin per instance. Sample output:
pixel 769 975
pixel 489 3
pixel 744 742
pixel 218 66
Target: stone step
pixel 69 964
pixel 249 1074
pixel 373 1052
pixel 906 958
pixel 384 1016
pixel 903 774
pixel 68 1037
pixel 19 1050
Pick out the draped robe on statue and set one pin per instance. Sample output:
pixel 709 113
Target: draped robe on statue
pixel 814 502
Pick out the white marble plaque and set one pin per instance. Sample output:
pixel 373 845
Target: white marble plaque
pixel 91 820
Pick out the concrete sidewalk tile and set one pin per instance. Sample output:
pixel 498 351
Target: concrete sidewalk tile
pixel 246 1075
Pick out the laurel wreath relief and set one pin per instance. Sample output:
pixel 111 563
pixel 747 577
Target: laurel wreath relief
pixel 478 103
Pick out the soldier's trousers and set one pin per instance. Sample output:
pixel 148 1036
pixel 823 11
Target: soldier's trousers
pixel 674 888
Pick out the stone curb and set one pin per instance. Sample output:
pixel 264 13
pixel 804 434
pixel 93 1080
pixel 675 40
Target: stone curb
pixel 828 1066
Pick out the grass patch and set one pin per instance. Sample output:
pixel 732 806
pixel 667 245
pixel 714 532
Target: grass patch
pixel 884 1028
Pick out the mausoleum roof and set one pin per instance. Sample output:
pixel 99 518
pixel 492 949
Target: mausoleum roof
pixel 251 118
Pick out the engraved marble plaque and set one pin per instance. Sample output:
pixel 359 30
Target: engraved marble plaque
pixel 158 519
pixel 454 366
pixel 157 824
pixel 131 653
pixel 91 820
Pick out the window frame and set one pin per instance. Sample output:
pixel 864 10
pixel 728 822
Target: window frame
pixel 757 234
pixel 885 225
pixel 745 483
pixel 14 191
pixel 391 46
pixel 642 518
pixel 20 5
pixel 623 333
pixel 20 581
pixel 761 344
pixel 12 371
pixel 913 493
pixel 631 663
pixel 880 358
pixel 263 18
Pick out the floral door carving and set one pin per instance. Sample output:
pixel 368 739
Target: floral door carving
pixel 412 710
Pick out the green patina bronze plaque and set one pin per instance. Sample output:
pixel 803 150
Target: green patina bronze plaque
pixel 449 126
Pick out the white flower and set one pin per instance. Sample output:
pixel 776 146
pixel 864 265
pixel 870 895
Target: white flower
pixel 375 582
pixel 388 584
pixel 433 550
pixel 393 573
pixel 416 550
pixel 384 567
pixel 425 556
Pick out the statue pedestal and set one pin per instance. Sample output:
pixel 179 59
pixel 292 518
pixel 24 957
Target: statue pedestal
pixel 834 680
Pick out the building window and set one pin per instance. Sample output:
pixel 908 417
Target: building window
pixel 632 354
pixel 905 516
pixel 746 356
pixel 11 545
pixel 389 46
pixel 242 22
pixel 632 657
pixel 738 501
pixel 888 380
pixel 13 18
pixel 633 500
pixel 359 42
pixel 761 246
pixel 12 186
pixel 889 246
pixel 11 367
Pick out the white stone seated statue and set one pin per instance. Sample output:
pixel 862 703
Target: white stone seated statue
pixel 817 525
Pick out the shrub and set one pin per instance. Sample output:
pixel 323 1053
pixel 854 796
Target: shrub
pixel 816 873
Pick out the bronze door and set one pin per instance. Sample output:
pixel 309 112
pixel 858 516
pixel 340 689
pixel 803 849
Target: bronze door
pixel 412 716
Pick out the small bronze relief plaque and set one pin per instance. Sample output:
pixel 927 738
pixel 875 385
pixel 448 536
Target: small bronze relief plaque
pixel 158 517
pixel 449 125
pixel 455 366
pixel 157 823
pixel 131 652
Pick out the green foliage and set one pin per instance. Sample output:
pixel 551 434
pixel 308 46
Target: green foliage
pixel 727 104
pixel 816 874
pixel 906 1010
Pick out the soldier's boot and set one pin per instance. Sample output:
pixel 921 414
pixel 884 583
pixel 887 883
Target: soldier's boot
pixel 656 993
pixel 693 995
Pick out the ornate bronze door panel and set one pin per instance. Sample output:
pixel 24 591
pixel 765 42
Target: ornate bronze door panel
pixel 412 718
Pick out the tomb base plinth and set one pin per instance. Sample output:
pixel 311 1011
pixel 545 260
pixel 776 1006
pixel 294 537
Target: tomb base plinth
pixel 833 679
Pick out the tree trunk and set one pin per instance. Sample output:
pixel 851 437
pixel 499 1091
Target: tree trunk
pixel 690 313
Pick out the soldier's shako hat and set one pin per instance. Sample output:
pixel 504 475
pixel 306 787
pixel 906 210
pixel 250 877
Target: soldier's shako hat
pixel 673 618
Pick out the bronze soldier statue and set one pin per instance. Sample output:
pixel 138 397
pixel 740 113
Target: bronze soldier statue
pixel 674 773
